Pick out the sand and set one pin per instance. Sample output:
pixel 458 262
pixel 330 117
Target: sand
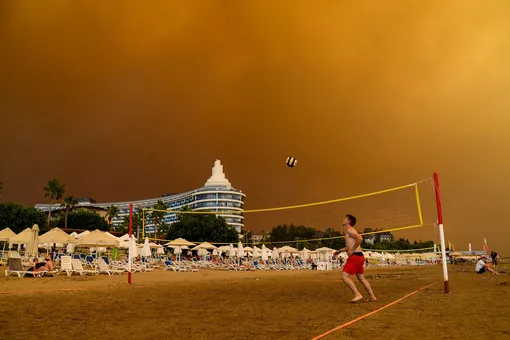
pixel 213 304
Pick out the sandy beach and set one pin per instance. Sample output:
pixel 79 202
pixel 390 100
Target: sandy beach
pixel 213 304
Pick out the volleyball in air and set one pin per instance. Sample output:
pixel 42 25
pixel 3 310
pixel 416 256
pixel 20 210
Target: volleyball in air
pixel 291 162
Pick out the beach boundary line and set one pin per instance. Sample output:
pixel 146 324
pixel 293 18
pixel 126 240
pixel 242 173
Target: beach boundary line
pixel 369 314
pixel 12 292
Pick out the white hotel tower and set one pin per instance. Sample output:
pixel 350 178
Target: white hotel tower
pixel 217 195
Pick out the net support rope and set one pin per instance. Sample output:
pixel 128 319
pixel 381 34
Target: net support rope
pixel 316 239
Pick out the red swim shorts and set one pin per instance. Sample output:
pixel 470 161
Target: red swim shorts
pixel 355 264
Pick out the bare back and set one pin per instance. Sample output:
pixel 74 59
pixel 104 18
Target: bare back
pixel 351 235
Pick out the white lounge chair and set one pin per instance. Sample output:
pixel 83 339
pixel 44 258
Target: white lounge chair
pixel 14 266
pixel 104 268
pixel 78 268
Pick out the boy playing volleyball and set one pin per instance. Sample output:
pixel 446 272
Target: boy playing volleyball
pixel 355 261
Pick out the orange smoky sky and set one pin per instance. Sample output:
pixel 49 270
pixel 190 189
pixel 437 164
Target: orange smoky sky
pixel 129 100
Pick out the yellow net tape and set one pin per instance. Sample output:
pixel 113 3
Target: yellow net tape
pixel 290 206
pixel 418 204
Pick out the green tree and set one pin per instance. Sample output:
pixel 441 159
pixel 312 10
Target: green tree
pixel 334 239
pixel 291 235
pixel 248 236
pixel 158 216
pixel 53 191
pixel 400 244
pixel 137 224
pixel 426 244
pixel 19 217
pixel 203 228
pixel 84 219
pixel 69 203
pixel 112 211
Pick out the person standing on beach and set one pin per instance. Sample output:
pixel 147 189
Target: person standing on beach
pixel 355 261
pixel 494 257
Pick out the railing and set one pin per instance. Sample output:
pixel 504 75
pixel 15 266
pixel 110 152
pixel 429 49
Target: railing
pixel 218 189
pixel 218 197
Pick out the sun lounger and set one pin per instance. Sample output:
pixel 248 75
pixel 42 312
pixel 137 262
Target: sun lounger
pixel 78 268
pixel 104 268
pixel 14 266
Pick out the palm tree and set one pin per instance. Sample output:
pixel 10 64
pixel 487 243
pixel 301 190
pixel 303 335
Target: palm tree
pixel 54 191
pixel 69 203
pixel 158 216
pixel 137 223
pixel 1 188
pixel 112 212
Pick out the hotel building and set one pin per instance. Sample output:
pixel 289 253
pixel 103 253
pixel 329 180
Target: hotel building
pixel 216 195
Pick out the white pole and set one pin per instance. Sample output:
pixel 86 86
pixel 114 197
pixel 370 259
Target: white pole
pixel 443 256
pixel 470 247
pixel 441 234
pixel 130 253
pixel 435 248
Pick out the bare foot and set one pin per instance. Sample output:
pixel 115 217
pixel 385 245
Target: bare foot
pixel 357 298
pixel 373 298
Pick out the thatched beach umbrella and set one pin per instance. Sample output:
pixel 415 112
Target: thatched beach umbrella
pixel 97 239
pixel 22 238
pixel 56 235
pixel 180 242
pixel 204 245
pixel 6 234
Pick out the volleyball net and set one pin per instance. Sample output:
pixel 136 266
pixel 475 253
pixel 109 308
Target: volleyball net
pixel 380 215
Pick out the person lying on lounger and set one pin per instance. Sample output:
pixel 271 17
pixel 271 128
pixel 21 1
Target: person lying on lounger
pixel 49 263
pixel 43 266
